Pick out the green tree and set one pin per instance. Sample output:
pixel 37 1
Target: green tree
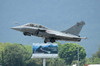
pixel 34 62
pixel 15 55
pixel 69 52
pixel 2 46
pixel 56 62
pixel 97 54
pixel 95 59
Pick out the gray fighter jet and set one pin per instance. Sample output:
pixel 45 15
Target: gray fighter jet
pixel 71 34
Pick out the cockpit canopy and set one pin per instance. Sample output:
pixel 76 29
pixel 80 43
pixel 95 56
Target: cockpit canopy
pixel 35 25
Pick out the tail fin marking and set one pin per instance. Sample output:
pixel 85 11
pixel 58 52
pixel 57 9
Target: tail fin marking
pixel 75 29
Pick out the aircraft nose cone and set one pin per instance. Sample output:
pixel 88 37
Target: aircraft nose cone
pixel 16 28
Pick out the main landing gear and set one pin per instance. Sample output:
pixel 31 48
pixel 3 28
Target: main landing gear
pixel 52 40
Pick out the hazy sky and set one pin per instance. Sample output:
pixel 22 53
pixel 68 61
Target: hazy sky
pixel 54 14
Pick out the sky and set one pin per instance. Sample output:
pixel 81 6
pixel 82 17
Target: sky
pixel 54 14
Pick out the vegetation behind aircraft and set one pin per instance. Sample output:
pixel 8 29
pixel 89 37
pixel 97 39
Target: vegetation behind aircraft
pixel 20 55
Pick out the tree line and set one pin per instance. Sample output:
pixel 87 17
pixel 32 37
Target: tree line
pixel 20 55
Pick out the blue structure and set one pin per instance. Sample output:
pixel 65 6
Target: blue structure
pixel 45 48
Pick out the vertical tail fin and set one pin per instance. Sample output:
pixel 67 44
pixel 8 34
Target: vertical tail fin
pixel 75 29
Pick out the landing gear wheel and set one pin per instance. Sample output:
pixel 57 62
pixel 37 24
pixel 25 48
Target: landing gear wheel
pixel 25 33
pixel 45 41
pixel 52 40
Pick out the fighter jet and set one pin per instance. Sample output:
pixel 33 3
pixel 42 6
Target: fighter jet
pixel 71 34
